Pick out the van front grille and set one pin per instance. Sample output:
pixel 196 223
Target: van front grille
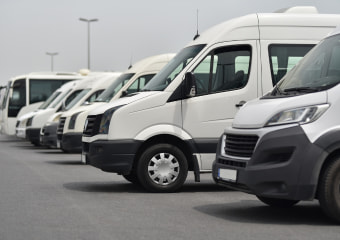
pixel 240 145
pixel 92 124
pixel 60 128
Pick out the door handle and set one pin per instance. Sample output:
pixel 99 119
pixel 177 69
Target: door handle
pixel 240 104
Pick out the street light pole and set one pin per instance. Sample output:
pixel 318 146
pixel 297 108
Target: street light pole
pixel 52 55
pixel 88 37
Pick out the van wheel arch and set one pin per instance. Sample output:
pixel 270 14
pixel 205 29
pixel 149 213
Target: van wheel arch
pixel 328 191
pixel 184 146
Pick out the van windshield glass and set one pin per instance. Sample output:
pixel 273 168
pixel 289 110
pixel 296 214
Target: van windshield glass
pixel 168 73
pixel 49 100
pixel 77 99
pixel 111 91
pixel 318 71
pixel 59 99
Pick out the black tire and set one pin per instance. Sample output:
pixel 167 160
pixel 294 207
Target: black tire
pixel 328 189
pixel 162 168
pixel 278 202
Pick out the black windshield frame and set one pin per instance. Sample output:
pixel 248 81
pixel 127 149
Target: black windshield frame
pixel 169 72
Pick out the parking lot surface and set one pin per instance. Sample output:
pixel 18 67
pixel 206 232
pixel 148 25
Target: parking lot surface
pixel 47 194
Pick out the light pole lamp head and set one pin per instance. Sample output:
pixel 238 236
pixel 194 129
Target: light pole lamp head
pixel 52 54
pixel 88 20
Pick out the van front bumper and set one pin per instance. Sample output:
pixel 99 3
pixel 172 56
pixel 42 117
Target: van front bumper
pixel 48 135
pixel 111 156
pixel 285 165
pixel 71 142
pixel 33 135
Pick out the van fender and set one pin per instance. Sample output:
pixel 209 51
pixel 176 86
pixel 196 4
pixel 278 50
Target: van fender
pixel 167 129
pixel 160 129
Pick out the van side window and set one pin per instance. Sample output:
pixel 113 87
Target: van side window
pixel 72 96
pixel 94 96
pixel 283 57
pixel 224 69
pixel 139 83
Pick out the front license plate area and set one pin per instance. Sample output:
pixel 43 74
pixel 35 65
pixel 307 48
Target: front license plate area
pixel 227 174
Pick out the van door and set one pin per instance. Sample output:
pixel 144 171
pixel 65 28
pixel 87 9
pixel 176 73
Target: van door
pixel 225 79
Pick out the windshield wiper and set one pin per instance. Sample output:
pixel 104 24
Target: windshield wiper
pixel 302 89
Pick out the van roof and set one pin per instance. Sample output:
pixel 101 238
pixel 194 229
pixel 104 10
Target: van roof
pixel 153 63
pixel 247 27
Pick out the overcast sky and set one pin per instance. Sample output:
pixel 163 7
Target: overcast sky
pixel 126 29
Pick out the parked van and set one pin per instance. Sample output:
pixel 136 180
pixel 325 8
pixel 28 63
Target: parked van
pixel 48 133
pixel 154 137
pixel 27 92
pixel 132 80
pixel 291 151
pixel 86 90
pixel 56 97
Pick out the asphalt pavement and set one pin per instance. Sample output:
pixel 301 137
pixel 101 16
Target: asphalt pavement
pixel 47 194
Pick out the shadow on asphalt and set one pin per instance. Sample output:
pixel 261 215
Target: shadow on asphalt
pixel 104 187
pixel 56 151
pixel 122 187
pixel 63 162
pixel 252 211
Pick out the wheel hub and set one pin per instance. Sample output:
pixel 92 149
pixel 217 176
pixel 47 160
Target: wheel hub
pixel 163 168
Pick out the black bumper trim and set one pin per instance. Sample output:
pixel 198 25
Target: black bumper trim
pixel 112 156
pixel 33 135
pixel 285 164
pixel 71 142
pixel 49 137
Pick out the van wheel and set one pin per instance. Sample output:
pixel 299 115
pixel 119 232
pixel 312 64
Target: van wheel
pixel 277 202
pixel 162 168
pixel 329 189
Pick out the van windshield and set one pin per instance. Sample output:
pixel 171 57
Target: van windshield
pixel 49 100
pixel 111 91
pixel 168 73
pixel 77 99
pixel 319 70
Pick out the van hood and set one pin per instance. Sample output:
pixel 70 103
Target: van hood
pixel 122 101
pixel 256 113
pixel 28 115
pixel 82 108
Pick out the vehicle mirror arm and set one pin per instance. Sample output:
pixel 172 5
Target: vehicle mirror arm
pixel 189 85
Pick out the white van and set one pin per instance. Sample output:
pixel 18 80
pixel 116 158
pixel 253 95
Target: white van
pixel 131 81
pixel 27 92
pixel 86 90
pixel 291 151
pixel 56 97
pixel 156 136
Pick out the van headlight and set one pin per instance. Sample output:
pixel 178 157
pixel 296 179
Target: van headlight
pixel 73 119
pixel 29 122
pixel 56 118
pixel 106 118
pixel 298 115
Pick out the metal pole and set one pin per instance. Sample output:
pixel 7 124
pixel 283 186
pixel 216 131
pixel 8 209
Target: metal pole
pixel 88 37
pixel 52 55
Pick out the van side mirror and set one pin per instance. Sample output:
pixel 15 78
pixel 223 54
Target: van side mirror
pixel 124 93
pixel 189 85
